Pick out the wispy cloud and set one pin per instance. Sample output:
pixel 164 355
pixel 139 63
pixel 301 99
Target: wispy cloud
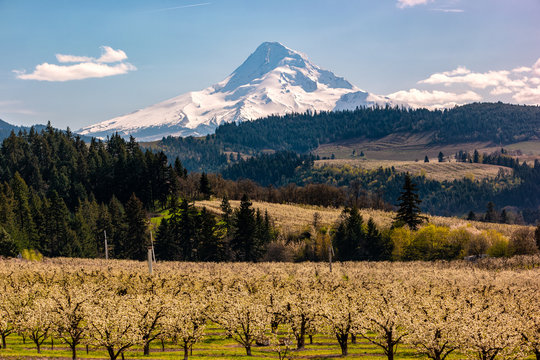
pixel 410 3
pixel 179 7
pixel 85 67
pixel 449 10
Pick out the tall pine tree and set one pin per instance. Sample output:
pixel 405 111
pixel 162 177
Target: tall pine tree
pixel 409 209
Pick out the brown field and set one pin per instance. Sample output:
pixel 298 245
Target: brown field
pixel 411 147
pixel 292 217
pixel 432 170
pixel 404 147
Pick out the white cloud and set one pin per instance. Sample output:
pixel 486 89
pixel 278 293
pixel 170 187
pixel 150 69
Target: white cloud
pixel 86 67
pixel 465 76
pixel 529 96
pixel 410 3
pixel 432 99
pixel 522 69
pixel 72 58
pixel 108 55
pixel 536 67
pixel 522 84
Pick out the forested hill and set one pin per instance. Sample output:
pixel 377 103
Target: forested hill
pixel 498 123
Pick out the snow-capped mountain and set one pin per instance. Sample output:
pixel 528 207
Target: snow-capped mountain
pixel 273 80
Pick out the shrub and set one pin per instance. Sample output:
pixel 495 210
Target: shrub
pixel 522 242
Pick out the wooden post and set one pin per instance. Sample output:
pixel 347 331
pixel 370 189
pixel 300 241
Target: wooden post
pixel 106 246
pixel 152 243
pixel 150 260
pixel 330 254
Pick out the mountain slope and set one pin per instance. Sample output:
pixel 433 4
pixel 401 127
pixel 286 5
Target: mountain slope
pixel 273 80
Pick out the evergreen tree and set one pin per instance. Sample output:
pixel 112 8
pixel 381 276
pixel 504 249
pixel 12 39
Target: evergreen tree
pixel 136 238
pixel 441 156
pixel 204 187
pixel 61 240
pixel 8 248
pixel 378 247
pixel 350 237
pixel 211 247
pixel 409 210
pixel 471 216
pixel 491 213
pixel 504 217
pixel 243 240
pixel 21 210
pixel 166 247
pixel 426 159
pixel 227 211
pixel 476 157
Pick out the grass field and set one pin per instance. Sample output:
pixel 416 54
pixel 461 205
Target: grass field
pixel 214 345
pixel 411 147
pixel 432 170
pixel 400 146
pixel 295 217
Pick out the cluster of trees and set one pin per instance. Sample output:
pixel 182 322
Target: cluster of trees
pixel 189 234
pixel 436 309
pixel 269 169
pixel 59 195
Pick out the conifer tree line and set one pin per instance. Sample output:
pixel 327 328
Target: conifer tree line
pixel 63 197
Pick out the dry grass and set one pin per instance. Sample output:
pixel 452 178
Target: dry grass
pixel 432 170
pixel 292 217
pixel 400 146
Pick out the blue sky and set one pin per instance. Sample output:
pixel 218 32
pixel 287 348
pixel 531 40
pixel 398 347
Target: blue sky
pixel 77 63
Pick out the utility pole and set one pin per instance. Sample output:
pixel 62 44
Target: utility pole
pixel 152 243
pixel 106 246
pixel 330 254
pixel 150 260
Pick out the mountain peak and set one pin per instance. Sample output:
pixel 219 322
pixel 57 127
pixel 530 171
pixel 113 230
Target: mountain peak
pixel 274 79
pixel 267 57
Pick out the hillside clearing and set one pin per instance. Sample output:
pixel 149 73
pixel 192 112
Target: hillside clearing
pixel 433 170
pixel 291 217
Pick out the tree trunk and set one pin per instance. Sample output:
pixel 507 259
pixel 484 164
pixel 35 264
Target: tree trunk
pixel 300 342
pixel 87 350
pixel 74 352
pixel 112 355
pixel 311 339
pixel 537 353
pixel 146 348
pixel 390 345
pixel 342 340
pixel 52 343
pixel 353 339
pixel 38 346
pixel 4 344
pixel 186 352
pixel 162 345
pixel 248 350
pixel 301 338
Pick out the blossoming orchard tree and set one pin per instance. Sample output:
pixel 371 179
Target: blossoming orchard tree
pixel 484 311
pixel 111 323
pixel 185 319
